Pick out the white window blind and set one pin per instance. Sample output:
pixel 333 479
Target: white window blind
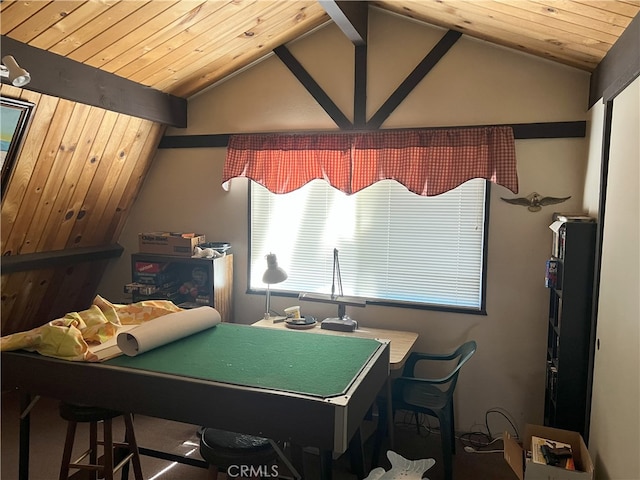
pixel 394 246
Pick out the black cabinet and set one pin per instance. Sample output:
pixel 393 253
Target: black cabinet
pixel 187 282
pixel 570 303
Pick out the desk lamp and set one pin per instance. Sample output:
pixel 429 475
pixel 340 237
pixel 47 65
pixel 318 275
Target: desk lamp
pixel 343 322
pixel 273 274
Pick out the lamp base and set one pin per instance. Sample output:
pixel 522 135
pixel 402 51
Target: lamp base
pixel 345 324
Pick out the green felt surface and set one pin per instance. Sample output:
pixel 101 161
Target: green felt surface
pixel 299 362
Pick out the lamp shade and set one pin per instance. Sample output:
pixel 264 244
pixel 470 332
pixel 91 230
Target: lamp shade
pixel 273 274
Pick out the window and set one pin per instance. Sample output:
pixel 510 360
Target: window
pixel 395 247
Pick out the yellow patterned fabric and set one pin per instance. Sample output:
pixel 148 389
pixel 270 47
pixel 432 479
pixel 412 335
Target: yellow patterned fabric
pixel 69 337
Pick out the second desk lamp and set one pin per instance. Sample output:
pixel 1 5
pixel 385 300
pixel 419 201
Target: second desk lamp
pixel 273 274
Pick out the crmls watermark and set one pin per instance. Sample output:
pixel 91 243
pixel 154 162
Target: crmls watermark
pixel 250 471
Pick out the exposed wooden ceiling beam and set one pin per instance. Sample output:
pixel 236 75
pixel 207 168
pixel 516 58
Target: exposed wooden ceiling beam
pixel 423 68
pixel 62 77
pixel 521 131
pixel 619 67
pixel 360 87
pixel 351 17
pixel 312 87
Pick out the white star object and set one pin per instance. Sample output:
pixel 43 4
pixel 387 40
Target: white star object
pixel 401 468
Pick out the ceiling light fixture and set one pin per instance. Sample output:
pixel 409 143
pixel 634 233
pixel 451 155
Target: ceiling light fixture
pixel 10 69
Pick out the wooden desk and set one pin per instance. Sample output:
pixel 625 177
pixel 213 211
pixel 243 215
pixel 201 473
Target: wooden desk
pixel 400 342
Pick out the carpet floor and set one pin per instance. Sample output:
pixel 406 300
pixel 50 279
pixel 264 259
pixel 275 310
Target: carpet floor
pixel 48 434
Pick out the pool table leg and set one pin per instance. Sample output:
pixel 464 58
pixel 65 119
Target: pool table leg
pixel 326 464
pixel 356 453
pixel 297 458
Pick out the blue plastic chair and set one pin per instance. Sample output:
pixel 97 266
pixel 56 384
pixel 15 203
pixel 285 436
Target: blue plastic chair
pixel 433 396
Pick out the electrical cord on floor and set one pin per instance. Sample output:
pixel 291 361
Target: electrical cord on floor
pixel 474 441
pixel 506 415
pixel 487 439
pixel 470 449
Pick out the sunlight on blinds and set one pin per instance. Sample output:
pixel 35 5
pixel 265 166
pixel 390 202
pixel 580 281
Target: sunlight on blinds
pixel 394 245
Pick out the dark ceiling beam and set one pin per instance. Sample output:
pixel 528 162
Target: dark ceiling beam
pixel 194 141
pixel 619 67
pixel 312 87
pixel 62 77
pixel 423 68
pixel 360 87
pixel 350 17
pixel 521 131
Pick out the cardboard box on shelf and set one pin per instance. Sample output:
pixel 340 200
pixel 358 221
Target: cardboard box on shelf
pixel 526 469
pixel 169 243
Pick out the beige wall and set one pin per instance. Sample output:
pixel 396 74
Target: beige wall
pixel 615 415
pixel 476 83
pixel 595 125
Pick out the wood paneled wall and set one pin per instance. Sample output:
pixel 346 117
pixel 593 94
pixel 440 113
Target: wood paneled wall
pixel 77 174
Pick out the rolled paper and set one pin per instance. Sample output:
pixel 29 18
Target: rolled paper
pixel 166 329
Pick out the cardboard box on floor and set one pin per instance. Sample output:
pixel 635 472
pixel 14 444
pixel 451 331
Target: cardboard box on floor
pixel 525 469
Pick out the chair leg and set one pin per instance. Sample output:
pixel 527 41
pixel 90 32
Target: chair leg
pixel 133 446
pixel 453 433
pixel 213 472
pixel 107 469
pixel 68 449
pixel 93 447
pixel 447 442
pixel 297 458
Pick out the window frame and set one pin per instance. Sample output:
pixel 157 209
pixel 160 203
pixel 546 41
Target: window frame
pixel 481 310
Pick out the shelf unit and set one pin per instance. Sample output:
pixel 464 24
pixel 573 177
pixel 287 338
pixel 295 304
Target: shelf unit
pixel 568 342
pixel 188 282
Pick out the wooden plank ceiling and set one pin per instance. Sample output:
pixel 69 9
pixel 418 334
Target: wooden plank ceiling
pixel 181 47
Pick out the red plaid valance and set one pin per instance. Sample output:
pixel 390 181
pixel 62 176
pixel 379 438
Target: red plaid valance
pixel 427 162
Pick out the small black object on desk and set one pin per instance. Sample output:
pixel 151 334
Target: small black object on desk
pixel 301 323
pixel 343 324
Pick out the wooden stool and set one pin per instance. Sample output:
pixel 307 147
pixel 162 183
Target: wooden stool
pixel 222 450
pixel 75 414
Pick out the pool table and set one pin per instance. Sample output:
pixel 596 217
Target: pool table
pixel 310 390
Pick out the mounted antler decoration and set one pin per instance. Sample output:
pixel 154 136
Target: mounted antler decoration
pixel 535 202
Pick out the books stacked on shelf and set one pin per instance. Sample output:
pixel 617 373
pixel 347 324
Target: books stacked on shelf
pixel 551 273
pixel 552 453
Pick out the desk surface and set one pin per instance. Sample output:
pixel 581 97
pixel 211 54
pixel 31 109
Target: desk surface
pixel 400 342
